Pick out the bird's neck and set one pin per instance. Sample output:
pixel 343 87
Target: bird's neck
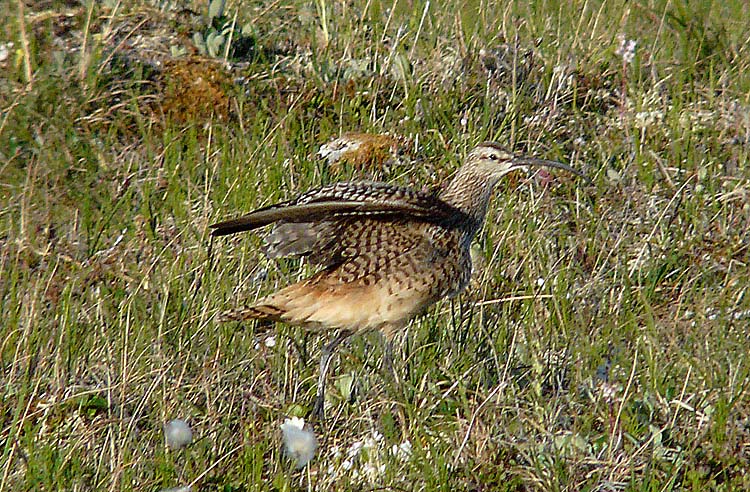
pixel 470 192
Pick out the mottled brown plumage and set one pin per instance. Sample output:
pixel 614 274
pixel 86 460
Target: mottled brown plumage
pixel 385 252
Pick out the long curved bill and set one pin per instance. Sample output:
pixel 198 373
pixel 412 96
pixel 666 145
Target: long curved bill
pixel 534 162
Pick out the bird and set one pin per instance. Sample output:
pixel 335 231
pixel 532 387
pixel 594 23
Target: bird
pixel 384 253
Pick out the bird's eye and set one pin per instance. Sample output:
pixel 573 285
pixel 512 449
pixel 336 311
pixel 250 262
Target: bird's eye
pixel 493 157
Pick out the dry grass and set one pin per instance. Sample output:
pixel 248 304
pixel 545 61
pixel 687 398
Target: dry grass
pixel 603 345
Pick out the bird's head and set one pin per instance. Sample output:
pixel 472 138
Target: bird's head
pixel 493 161
pixel 471 187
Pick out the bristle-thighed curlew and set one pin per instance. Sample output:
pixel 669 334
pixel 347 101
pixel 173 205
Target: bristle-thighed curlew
pixel 385 252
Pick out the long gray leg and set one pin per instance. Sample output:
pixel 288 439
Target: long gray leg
pixel 387 366
pixel 318 413
pixel 392 380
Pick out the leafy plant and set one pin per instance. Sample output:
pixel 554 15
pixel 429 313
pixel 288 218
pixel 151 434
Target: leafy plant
pixel 222 37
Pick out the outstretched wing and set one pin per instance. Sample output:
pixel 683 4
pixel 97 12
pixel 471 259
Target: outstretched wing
pixel 347 199
pixel 313 224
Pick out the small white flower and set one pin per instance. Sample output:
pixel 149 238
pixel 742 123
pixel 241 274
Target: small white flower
pixel 5 51
pixel 271 342
pixel 540 282
pixel 178 434
pixel 371 441
pixel 300 443
pixel 347 464
pixel 402 451
pixel 335 451
pixel 371 471
pixel 354 449
pixel 626 49
pixel 645 119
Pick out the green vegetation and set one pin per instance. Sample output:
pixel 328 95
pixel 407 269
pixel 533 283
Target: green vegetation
pixel 603 344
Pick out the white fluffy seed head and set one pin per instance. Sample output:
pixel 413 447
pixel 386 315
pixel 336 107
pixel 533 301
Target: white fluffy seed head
pixel 178 434
pixel 300 442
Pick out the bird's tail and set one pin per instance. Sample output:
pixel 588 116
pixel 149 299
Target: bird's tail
pixel 277 306
pixel 304 303
pixel 262 312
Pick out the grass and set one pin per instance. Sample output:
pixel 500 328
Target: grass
pixel 603 343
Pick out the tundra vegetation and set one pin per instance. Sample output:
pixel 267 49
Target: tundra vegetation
pixel 602 345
